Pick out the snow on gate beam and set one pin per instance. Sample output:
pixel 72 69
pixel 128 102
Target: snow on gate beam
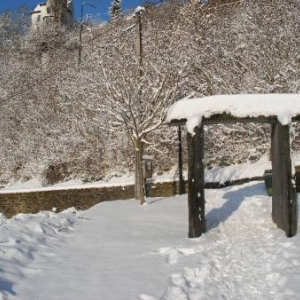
pixel 234 108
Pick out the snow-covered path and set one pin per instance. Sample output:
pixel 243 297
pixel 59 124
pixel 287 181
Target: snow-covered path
pixel 245 257
pixel 110 255
pixel 120 250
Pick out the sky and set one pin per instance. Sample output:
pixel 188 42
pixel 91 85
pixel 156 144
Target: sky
pixel 101 12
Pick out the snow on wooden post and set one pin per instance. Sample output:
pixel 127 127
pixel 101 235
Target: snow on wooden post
pixel 196 200
pixel 284 212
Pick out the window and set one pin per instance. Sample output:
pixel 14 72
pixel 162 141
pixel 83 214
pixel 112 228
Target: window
pixel 38 18
pixel 49 10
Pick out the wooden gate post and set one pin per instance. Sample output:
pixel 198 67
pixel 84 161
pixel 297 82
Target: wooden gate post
pixel 284 202
pixel 196 200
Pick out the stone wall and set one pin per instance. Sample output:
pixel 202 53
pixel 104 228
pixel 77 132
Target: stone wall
pixel 84 198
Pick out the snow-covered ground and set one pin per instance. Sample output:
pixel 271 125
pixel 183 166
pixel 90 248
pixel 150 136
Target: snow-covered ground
pixel 216 174
pixel 122 251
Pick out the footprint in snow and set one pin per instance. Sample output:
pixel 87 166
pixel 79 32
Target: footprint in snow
pixel 173 254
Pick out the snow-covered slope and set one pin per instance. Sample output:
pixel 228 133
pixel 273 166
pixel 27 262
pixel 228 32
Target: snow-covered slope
pixel 216 174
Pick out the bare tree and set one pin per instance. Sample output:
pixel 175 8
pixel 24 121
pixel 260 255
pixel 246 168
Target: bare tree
pixel 96 118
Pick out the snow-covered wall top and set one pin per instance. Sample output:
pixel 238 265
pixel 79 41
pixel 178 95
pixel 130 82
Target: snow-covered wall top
pixel 282 106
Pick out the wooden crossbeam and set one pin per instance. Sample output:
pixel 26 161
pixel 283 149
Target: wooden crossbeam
pixel 229 119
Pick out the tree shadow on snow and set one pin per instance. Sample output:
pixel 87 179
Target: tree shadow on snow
pixel 154 200
pixel 234 199
pixel 6 288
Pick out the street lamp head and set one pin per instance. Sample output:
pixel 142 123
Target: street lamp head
pixel 139 9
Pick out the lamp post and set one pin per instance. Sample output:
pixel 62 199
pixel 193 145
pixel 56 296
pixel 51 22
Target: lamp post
pixel 81 29
pixel 138 14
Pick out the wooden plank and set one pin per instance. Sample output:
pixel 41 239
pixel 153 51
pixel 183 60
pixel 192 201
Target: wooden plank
pixel 284 204
pixel 180 122
pixel 180 163
pixel 196 201
pixel 199 175
pixel 229 119
pixel 194 220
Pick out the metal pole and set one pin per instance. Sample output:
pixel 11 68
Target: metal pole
pixel 139 107
pixel 81 29
pixel 80 34
pixel 139 42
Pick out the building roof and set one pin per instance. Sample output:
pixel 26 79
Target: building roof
pixel 38 8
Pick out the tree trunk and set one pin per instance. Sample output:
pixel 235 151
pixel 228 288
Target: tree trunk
pixel 139 178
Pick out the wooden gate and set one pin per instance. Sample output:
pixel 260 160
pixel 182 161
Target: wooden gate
pixel 284 200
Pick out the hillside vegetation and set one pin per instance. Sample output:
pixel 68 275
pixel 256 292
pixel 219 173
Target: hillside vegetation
pixel 60 119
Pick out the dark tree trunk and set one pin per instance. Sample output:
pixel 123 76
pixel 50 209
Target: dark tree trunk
pixel 139 178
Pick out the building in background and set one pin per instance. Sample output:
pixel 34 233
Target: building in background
pixel 59 11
